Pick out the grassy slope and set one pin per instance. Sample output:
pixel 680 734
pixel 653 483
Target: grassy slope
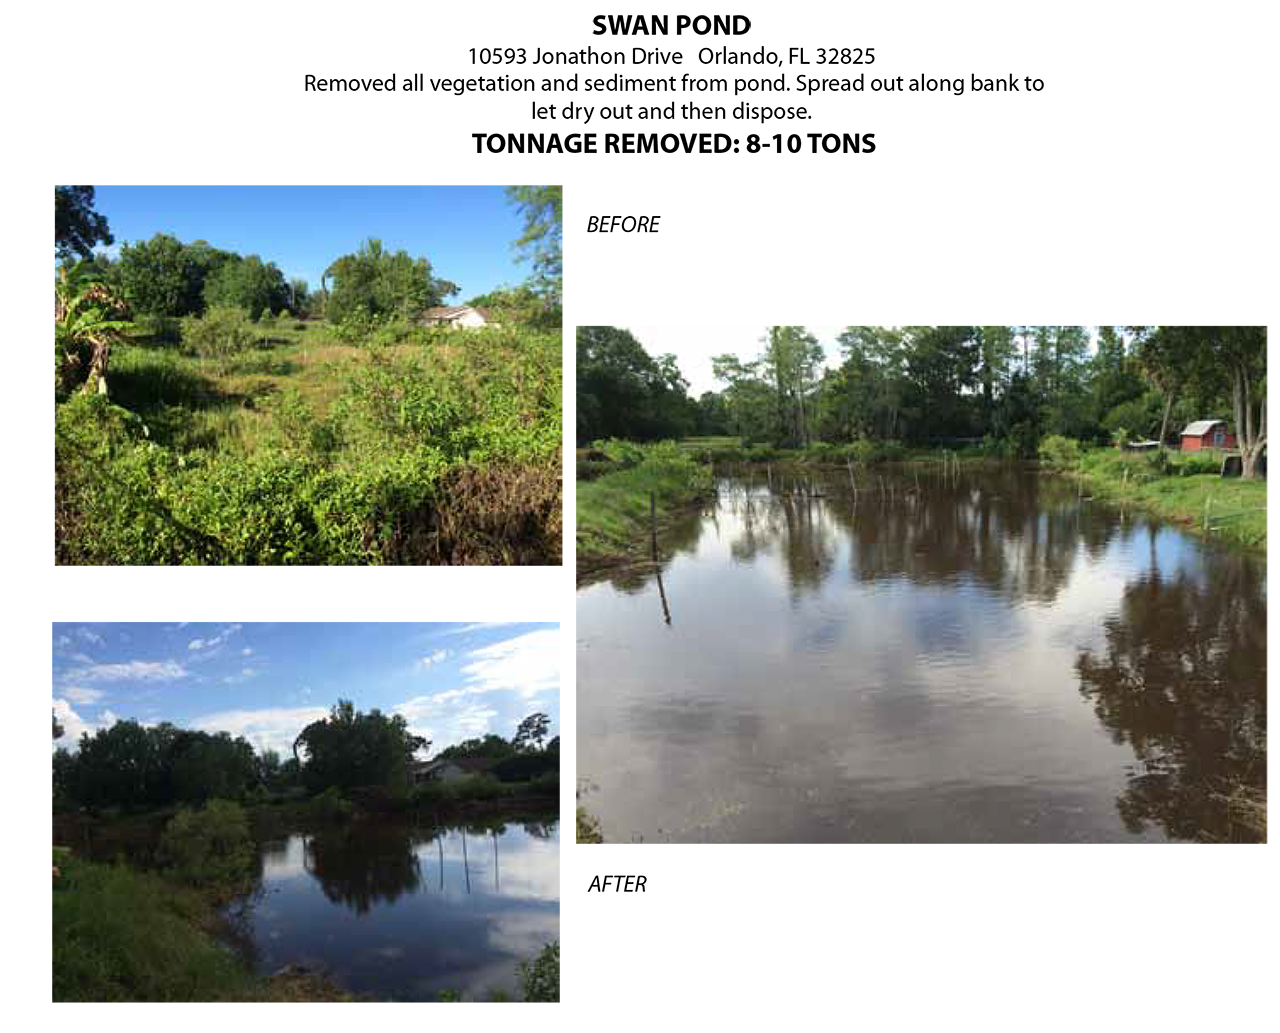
pixel 1237 508
pixel 123 935
pixel 613 510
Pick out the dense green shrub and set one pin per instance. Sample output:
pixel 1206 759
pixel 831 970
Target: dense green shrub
pixel 475 787
pixel 522 767
pixel 540 979
pixel 331 805
pixel 1191 463
pixel 222 331
pixel 620 452
pixel 210 846
pixel 1060 452
pixel 546 784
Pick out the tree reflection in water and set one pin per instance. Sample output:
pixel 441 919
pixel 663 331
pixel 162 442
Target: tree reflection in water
pixel 360 866
pixel 1183 682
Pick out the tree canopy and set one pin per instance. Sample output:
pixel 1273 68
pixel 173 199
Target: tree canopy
pixel 382 283
pixel 77 228
pixel 350 749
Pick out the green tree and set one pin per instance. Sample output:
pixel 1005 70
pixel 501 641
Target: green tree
pixel 382 283
pixel 162 276
pixel 531 731
pixel 350 749
pixel 1166 355
pixel 1239 359
pixel 249 283
pixel 539 243
pixel 118 766
pixel 77 228
pixel 490 747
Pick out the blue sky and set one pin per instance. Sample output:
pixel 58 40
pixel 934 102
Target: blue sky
pixel 172 156
pixel 268 681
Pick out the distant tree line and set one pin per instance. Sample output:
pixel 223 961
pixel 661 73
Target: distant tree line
pixel 131 765
pixel 1006 386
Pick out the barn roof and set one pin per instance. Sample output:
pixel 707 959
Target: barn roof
pixel 1200 428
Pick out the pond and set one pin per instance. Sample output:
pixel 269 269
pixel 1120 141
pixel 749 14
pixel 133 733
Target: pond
pixel 975 657
pixel 396 911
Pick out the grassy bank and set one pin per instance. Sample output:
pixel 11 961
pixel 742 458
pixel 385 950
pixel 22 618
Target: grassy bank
pixel 125 935
pixel 613 508
pixel 1185 491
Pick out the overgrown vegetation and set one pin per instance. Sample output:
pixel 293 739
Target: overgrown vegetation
pixel 246 420
pixel 125 935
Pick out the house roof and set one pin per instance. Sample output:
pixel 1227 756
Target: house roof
pixel 453 311
pixel 472 764
pixel 1200 428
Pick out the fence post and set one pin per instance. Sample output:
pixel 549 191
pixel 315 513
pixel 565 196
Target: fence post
pixel 653 526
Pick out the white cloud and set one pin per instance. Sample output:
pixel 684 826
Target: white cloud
pixel 81 695
pixel 438 656
pixel 272 728
pixel 74 725
pixel 63 641
pixel 133 670
pixel 246 651
pixel 433 718
pixel 89 636
pixel 245 674
pixel 200 644
pixel 527 664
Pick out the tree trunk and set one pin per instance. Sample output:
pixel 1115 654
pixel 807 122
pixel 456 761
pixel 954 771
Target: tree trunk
pixel 1164 420
pixel 97 379
pixel 1251 440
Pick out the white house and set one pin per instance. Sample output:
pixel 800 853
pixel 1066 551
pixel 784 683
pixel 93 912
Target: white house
pixel 451 770
pixel 458 317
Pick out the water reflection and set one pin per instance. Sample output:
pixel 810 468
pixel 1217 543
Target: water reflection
pixel 1180 681
pixel 976 657
pixel 398 911
pixel 361 867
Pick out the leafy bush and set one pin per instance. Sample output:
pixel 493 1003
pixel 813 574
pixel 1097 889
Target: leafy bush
pixel 540 979
pixel 1191 463
pixel 546 784
pixel 331 806
pixel 208 847
pixel 1060 452
pixel 356 326
pixel 618 451
pixel 525 766
pixel 222 331
pixel 475 787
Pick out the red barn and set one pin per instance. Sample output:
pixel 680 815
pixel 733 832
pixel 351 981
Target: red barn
pixel 1207 434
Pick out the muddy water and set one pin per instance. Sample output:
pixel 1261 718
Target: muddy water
pixel 986 657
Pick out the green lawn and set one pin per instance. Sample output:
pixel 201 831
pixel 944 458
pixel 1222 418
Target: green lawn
pixel 1235 508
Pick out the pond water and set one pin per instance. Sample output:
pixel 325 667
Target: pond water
pixel 978 657
pixel 394 911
